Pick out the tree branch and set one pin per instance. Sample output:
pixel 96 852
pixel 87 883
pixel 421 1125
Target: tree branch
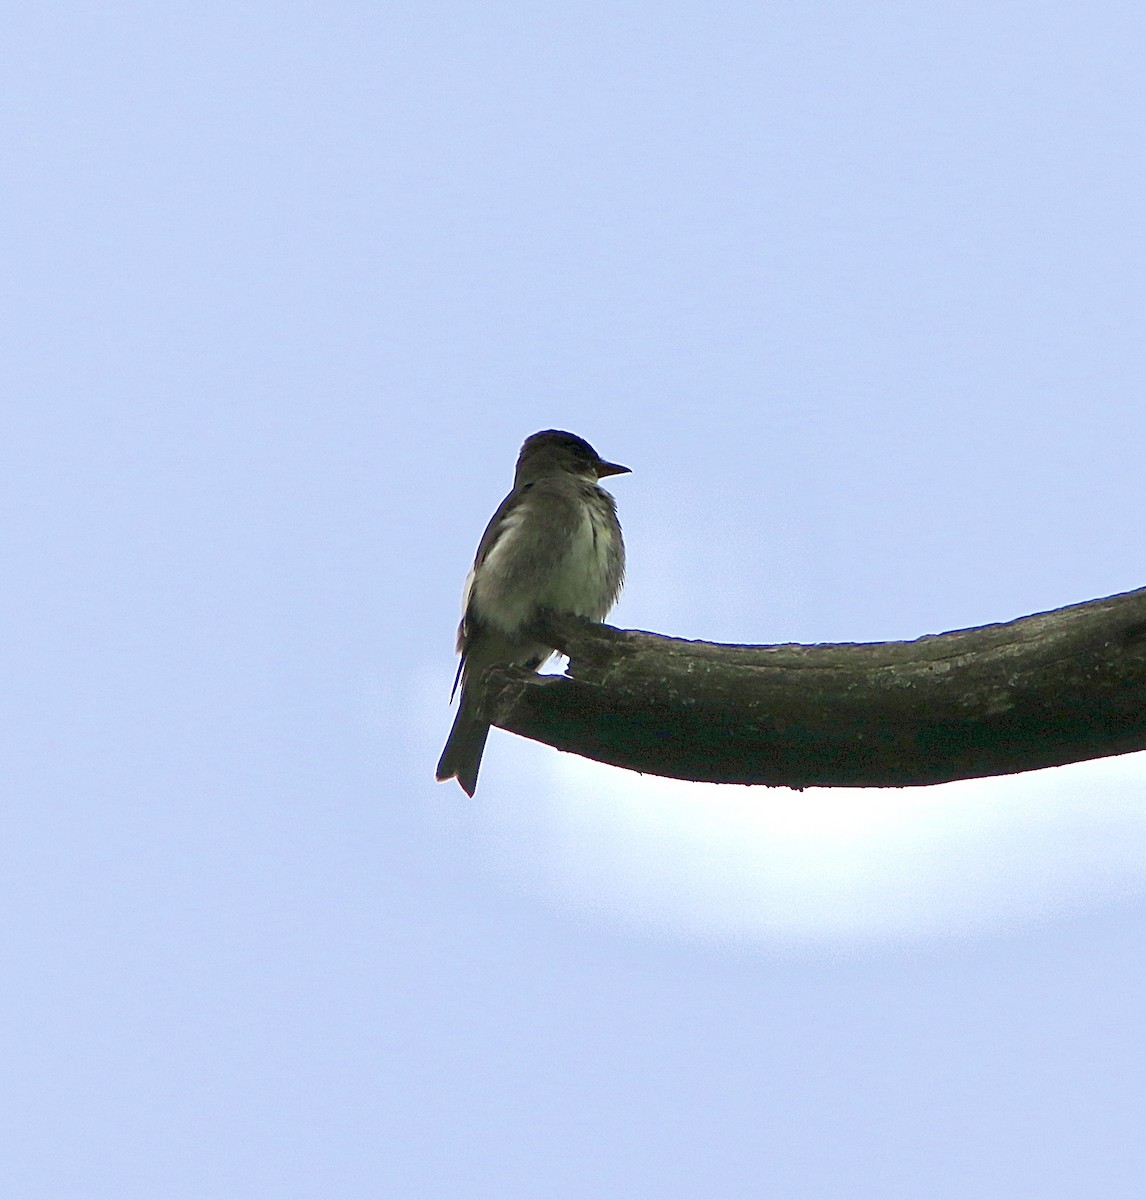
pixel 1049 689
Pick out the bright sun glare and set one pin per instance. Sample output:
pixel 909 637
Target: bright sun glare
pixel 826 868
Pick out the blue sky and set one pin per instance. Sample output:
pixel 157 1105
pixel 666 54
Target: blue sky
pixel 858 294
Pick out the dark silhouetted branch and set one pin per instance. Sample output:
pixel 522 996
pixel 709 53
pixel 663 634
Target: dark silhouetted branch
pixel 1054 688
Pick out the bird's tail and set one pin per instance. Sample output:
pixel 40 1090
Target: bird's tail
pixel 461 758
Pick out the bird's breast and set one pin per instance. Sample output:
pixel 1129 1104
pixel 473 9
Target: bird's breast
pixel 585 581
pixel 573 565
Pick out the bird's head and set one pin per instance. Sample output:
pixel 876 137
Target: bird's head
pixel 553 450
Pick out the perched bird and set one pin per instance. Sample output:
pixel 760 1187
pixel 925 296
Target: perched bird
pixel 554 542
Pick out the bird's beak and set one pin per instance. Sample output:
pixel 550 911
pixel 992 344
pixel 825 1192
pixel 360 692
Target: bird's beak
pixel 604 468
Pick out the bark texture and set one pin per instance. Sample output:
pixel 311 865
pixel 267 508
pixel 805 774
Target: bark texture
pixel 1053 688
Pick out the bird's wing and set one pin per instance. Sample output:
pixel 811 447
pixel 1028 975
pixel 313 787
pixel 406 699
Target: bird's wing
pixel 499 523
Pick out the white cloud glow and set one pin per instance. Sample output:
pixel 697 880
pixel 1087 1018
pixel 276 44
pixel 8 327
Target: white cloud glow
pixel 828 869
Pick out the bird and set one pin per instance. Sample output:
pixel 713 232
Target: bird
pixel 554 542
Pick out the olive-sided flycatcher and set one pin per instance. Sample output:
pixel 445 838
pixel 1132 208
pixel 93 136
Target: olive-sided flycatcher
pixel 554 542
